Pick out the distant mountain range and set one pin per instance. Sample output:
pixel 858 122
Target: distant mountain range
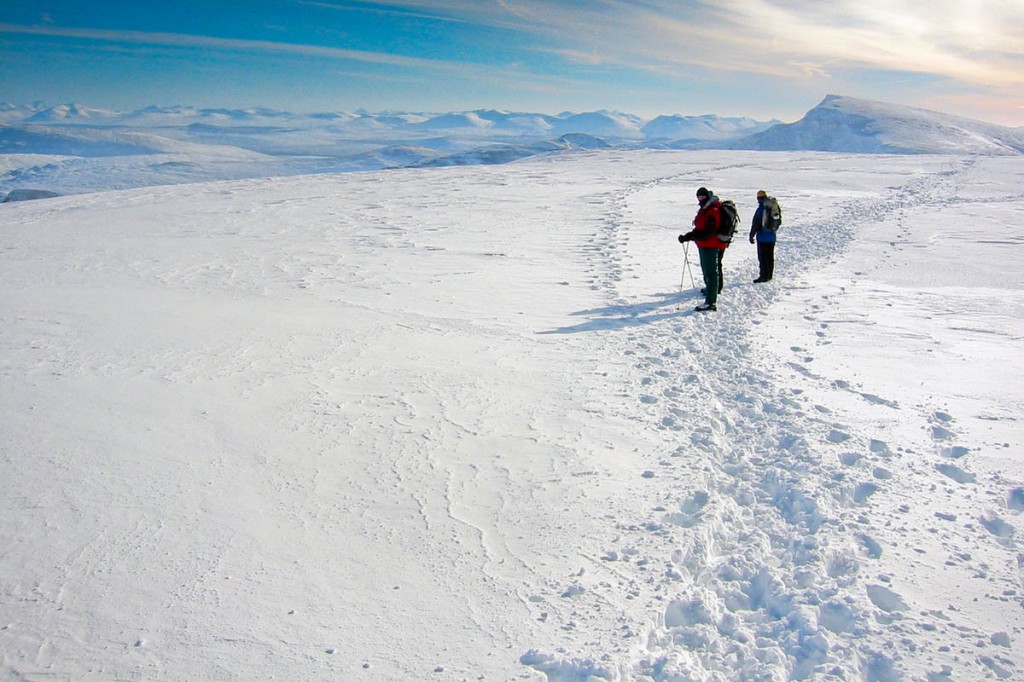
pixel 72 148
pixel 284 132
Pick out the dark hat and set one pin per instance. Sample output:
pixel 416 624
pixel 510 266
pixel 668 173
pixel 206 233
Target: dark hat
pixel 703 192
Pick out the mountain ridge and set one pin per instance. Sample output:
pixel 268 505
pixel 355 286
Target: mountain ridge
pixel 93 149
pixel 848 124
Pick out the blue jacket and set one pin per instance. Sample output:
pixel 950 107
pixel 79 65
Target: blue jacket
pixel 757 225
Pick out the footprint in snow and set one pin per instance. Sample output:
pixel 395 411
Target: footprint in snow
pixel 956 473
pixel 870 545
pixel 680 614
pixel 863 491
pixel 998 527
pixel 878 446
pixel 800 369
pixel 1015 500
pixel 793 442
pixel 837 617
pixel 843 564
pixel 938 428
pixel 886 599
pixel 691 510
pixel 954 452
pixel 879 400
pixel 1000 672
pixel 837 436
pixel 1000 639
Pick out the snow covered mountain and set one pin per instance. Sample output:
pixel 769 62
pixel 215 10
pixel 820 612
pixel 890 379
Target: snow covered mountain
pixel 680 131
pixel 492 125
pixel 71 148
pixel 848 124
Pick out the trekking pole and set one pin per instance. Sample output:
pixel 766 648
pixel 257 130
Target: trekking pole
pixel 686 268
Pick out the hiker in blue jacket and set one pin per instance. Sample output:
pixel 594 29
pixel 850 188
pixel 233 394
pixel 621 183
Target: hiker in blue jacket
pixel 763 227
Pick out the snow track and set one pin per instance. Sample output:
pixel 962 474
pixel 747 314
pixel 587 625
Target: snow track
pixel 757 559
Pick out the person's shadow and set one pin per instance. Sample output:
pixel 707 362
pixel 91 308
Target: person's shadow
pixel 662 307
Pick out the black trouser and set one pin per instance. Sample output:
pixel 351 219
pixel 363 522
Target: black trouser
pixel 766 260
pixel 721 277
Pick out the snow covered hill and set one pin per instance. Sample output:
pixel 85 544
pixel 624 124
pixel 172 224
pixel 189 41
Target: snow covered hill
pixel 93 149
pixel 464 424
pixel 682 131
pixel 198 143
pixel 847 124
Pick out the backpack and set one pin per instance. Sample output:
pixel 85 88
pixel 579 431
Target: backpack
pixel 730 219
pixel 774 211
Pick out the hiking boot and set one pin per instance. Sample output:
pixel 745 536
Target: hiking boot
pixel 705 307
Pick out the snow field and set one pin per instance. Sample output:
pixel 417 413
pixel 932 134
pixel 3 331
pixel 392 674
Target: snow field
pixel 463 424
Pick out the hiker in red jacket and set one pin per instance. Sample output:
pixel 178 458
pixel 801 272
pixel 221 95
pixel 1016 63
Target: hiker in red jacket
pixel 710 247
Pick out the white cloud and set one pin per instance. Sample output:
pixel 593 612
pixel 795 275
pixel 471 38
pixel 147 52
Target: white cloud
pixel 978 41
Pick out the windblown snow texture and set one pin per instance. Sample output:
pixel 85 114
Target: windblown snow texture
pixel 451 423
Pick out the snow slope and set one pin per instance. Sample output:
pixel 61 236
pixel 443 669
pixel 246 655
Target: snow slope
pixel 462 423
pixel 848 124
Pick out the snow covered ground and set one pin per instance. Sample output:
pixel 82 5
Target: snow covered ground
pixel 463 423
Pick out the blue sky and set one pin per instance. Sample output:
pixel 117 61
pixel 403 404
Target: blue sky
pixel 759 58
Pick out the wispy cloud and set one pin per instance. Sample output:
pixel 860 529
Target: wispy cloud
pixel 976 46
pixel 375 8
pixel 978 41
pixel 593 57
pixel 963 49
pixel 415 66
pixel 208 42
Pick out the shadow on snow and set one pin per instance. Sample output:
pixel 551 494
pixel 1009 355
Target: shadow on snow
pixel 663 307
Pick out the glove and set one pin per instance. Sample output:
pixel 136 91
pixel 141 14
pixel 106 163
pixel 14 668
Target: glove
pixel 751 240
pixel 683 238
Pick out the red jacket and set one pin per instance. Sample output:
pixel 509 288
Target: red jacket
pixel 705 226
